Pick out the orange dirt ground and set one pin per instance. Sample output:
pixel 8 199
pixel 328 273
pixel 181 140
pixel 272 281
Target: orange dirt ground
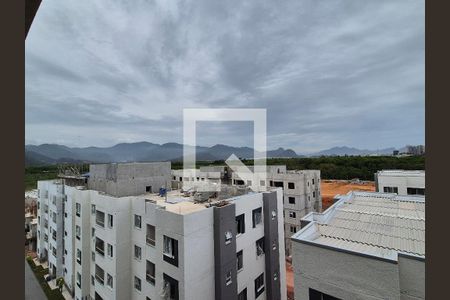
pixel 329 189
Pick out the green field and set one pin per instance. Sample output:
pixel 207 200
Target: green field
pixel 343 167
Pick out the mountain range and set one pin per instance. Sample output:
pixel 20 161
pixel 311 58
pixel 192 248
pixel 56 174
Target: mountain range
pixel 145 151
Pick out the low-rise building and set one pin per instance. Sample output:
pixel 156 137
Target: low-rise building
pixel 401 182
pixel 365 246
pixel 168 245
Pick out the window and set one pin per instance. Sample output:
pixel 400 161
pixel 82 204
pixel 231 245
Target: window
pixel 228 278
pixel 278 184
pixel 260 247
pixel 92 280
pixel 271 183
pixel 390 189
pixel 110 221
pixel 170 288
pixel 314 194
pixel 148 189
pixel 79 280
pixel 291 185
pixel 93 256
pixel 313 181
pixel 316 295
pixel 170 250
pixel 259 285
pixel 77 209
pixel 93 209
pixel 79 256
pixel 262 182
pixel 240 224
pixel 109 249
pixel 100 246
pixel 93 231
pixel 150 272
pixel 416 191
pixel 292 214
pixel 275 276
pixel 100 218
pixel 293 229
pixel 257 216
pixel 240 260
pixel 137 221
pixel 150 236
pixel 77 232
pixel 291 200
pixel 99 274
pixel 228 237
pixel 243 295
pixel 109 280
pixel 97 296
pixel 137 252
pixel 137 283
pixel 249 182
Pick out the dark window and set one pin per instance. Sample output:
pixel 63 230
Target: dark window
pixel 170 288
pixel 100 218
pixel 260 247
pixel 97 296
pixel 293 229
pixel 313 181
pixel 110 221
pixel 150 272
pixel 243 295
pixel 170 250
pixel 257 216
pixel 150 236
pixel 137 221
pixel 240 260
pixel 278 183
pixel 292 214
pixel 259 285
pixel 390 189
pixel 271 184
pixel 148 188
pixel 137 283
pixel 316 295
pixel 291 185
pixel 416 191
pixel 291 200
pixel 240 223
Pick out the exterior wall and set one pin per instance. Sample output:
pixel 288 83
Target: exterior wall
pixel 343 275
pixel 402 182
pixel 194 232
pixel 131 179
pixel 412 278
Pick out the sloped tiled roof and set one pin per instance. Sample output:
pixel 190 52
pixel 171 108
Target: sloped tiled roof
pixel 377 224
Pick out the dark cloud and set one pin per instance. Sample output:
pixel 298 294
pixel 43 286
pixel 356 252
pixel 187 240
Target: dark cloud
pixel 329 73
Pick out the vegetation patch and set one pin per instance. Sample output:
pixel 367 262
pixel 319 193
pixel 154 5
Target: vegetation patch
pixel 40 272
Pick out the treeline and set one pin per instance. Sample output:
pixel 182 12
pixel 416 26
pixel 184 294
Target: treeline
pixel 338 167
pixel 331 167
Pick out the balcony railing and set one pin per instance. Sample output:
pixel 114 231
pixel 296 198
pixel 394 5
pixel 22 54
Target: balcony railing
pixel 150 241
pixel 100 279
pixel 100 222
pixel 150 278
pixel 100 251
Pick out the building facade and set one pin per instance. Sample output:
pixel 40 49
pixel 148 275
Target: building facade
pixel 401 182
pixel 365 246
pixel 301 195
pixel 152 246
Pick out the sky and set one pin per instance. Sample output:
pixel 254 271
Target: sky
pixel 329 73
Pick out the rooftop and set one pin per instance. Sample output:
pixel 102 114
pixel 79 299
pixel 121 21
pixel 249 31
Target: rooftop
pixel 186 202
pixel 401 173
pixel 375 224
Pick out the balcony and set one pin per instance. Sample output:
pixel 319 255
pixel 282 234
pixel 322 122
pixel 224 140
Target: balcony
pixel 150 240
pixel 100 251
pixel 150 278
pixel 100 280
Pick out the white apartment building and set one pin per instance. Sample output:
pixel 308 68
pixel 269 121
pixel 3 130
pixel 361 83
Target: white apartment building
pixel 301 195
pixel 151 246
pixel 365 246
pixel 401 182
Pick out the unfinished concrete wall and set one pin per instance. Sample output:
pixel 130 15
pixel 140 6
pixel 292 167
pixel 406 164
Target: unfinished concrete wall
pixel 129 179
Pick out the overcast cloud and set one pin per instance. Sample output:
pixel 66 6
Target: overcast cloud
pixel 330 73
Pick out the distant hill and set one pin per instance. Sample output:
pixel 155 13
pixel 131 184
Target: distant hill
pixel 141 151
pixel 350 151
